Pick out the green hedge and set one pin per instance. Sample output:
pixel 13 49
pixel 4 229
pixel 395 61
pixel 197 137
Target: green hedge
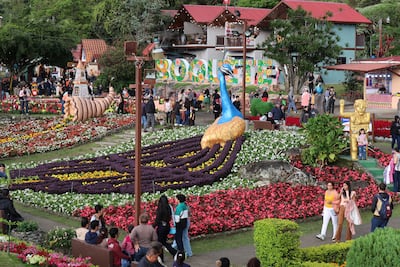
pixel 317 264
pixel 330 253
pixel 377 249
pixel 277 242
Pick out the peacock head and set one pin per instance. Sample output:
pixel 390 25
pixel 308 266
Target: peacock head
pixel 226 69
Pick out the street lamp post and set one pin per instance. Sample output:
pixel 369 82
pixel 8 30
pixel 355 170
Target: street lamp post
pixel 130 52
pixel 244 68
pixel 138 137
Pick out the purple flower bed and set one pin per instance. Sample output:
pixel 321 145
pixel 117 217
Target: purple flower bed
pixel 179 159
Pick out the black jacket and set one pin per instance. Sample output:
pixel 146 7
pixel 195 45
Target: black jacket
pixel 7 205
pixel 150 107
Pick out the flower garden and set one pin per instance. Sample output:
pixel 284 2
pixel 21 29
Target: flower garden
pixel 173 162
pixel 26 137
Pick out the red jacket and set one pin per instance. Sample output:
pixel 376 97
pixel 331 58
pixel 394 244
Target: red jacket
pixel 114 246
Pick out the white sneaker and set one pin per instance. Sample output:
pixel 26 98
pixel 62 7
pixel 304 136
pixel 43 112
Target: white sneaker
pixel 321 237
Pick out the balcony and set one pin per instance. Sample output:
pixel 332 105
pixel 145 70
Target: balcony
pixel 234 41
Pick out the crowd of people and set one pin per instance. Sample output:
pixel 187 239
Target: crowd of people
pixel 145 242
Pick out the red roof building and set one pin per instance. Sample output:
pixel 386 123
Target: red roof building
pixel 92 49
pixel 206 15
pixel 341 13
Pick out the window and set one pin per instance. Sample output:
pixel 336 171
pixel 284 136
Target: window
pixel 341 60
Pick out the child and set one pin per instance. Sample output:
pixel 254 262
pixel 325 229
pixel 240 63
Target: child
pixel 180 258
pixel 119 258
pixel 192 115
pixel 362 142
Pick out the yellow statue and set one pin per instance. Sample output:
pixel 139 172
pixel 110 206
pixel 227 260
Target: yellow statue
pixel 359 119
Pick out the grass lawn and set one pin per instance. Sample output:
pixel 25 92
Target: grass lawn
pixel 10 260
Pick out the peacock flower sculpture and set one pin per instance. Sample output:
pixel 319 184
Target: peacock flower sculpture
pixel 231 124
pixel 81 109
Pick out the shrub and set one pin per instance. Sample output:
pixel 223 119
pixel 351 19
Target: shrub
pixel 376 249
pixel 324 133
pixel 277 242
pixel 60 238
pixel 330 253
pixel 27 226
pixel 258 107
pixel 317 264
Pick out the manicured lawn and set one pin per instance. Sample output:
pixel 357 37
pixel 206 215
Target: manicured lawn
pixel 10 260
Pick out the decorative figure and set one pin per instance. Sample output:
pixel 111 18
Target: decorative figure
pixel 80 83
pixel 81 109
pixel 231 124
pixel 359 119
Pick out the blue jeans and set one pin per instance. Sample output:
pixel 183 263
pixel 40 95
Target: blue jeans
pixel 395 140
pixel 125 263
pixel 178 119
pixel 186 241
pixel 141 253
pixel 377 222
pixel 362 152
pixel 292 105
pixel 144 120
pixel 396 181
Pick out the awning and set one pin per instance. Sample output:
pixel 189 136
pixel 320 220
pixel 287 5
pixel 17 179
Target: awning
pixel 363 67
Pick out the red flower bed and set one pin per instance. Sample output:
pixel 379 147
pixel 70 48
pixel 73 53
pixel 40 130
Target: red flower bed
pixel 382 158
pixel 238 208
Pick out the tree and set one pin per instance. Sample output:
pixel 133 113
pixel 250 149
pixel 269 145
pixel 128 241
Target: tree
pixel 43 31
pixel 258 4
pixel 116 69
pixel 389 28
pixel 137 20
pixel 16 47
pixel 300 43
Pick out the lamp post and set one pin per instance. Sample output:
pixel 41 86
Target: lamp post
pixel 130 52
pixel 138 137
pixel 244 67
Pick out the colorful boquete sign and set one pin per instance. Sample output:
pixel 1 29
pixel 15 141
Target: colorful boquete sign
pixel 258 72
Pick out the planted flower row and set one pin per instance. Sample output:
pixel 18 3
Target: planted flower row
pixel 33 255
pixel 42 135
pixel 170 165
pixel 239 208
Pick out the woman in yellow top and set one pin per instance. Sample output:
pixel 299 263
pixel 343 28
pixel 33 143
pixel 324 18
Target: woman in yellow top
pixel 329 213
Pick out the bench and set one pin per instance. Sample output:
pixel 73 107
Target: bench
pixel 263 125
pixel 100 256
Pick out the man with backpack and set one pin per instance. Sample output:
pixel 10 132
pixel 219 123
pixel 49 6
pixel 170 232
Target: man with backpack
pixel 382 207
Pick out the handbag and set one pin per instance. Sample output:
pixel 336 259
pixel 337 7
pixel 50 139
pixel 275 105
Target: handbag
pixel 355 216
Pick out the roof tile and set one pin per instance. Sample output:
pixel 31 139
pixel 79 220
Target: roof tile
pixel 341 13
